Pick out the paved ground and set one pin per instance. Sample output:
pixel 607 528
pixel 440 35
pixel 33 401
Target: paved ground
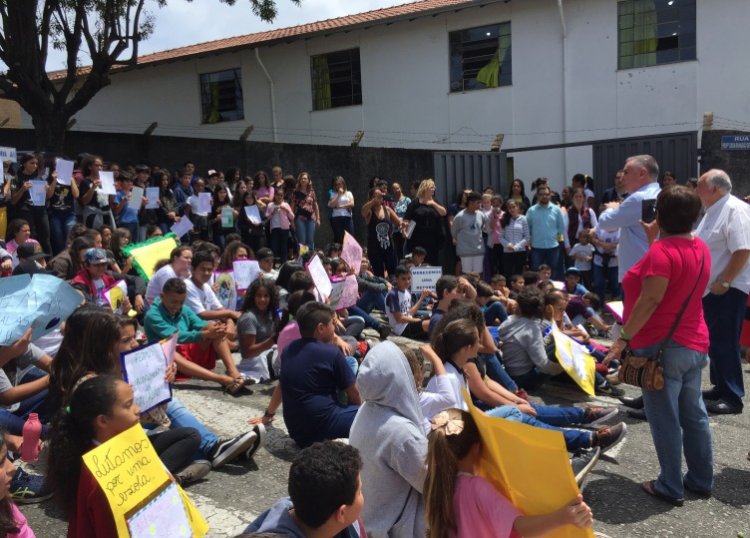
pixel 232 496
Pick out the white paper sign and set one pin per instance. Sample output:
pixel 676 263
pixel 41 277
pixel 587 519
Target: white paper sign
pixel 245 272
pixel 152 195
pixel 410 229
pixel 227 217
pixel 8 154
pixel 108 183
pixel 165 515
pixel 181 228
pixel 253 215
pixel 617 308
pixel 425 277
pixel 145 369
pixel 136 198
pixel 64 171
pixel 320 277
pixel 38 192
pixel 204 203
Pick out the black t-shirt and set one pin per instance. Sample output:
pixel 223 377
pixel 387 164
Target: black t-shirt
pixel 25 202
pixel 98 200
pixel 62 198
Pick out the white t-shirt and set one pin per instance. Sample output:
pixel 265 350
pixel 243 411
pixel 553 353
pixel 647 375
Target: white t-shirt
pixel 607 237
pixel 157 282
pixel 201 299
pixel 397 301
pixel 343 200
pixel 457 382
pixel 580 251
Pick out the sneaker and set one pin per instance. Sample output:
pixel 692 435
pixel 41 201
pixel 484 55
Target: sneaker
pixel 260 432
pixel 193 472
pixel 26 488
pixel 384 331
pixel 583 461
pixel 228 449
pixel 596 415
pixel 608 390
pixel 608 437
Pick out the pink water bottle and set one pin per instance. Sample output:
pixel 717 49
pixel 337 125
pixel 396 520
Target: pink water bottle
pixel 32 430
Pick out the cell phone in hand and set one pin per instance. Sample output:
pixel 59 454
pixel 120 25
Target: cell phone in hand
pixel 648 210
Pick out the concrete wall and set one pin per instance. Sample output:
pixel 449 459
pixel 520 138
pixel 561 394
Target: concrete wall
pixel 564 89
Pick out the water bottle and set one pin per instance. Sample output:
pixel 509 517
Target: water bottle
pixel 32 430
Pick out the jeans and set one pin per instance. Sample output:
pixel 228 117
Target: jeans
pixel 724 315
pixel 13 421
pixel 547 256
pixel 679 422
pixel 60 224
pixel 357 312
pixel 280 243
pixel 610 275
pixel 494 310
pixel 496 371
pixel 372 300
pixel 354 326
pixel 305 230
pixel 182 418
pixel 531 379
pixel 551 418
pixel 341 225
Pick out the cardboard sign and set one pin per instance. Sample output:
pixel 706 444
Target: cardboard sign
pixel 145 368
pixel 425 278
pixel 130 474
pixel 245 272
pixel 64 171
pixel 320 277
pixel 351 252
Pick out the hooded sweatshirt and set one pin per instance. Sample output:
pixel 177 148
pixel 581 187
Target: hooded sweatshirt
pixel 388 433
pixel 277 519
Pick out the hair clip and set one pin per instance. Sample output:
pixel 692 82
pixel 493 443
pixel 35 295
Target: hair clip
pixel 453 426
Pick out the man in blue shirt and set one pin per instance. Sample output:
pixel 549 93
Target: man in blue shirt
pixel 547 229
pixel 640 181
pixel 313 370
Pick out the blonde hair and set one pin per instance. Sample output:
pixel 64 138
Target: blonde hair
pixel 309 180
pixel 424 186
pixel 454 434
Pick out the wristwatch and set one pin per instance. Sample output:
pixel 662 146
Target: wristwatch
pixel 724 284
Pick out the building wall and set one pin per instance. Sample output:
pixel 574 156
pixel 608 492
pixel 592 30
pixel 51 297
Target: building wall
pixel 564 89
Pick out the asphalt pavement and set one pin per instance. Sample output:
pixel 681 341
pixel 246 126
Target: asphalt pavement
pixel 234 495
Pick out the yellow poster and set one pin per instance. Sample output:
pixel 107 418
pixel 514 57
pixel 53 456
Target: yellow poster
pixel 148 253
pixel 575 360
pixel 529 466
pixel 132 478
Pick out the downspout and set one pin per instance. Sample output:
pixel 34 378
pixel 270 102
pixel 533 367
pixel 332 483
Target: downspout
pixel 273 94
pixel 564 86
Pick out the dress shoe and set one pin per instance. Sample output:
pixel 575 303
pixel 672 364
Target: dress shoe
pixel 723 408
pixel 638 414
pixel 633 403
pixel 711 394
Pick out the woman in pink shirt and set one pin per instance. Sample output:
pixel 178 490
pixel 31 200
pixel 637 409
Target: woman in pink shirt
pixel 672 274
pixel 280 216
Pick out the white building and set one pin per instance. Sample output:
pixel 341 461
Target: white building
pixel 570 71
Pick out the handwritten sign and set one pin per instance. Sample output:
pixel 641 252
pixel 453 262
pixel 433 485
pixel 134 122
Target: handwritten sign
pixel 38 192
pixel 108 183
pixel 115 295
pixel 351 252
pixel 39 301
pixel 145 368
pixel 226 289
pixel 253 215
pixel 8 154
pixel 152 195
pixel 181 228
pixel 320 277
pixel 163 516
pixel 344 293
pixel 245 272
pixel 129 472
pixel 204 203
pixel 425 278
pixel 64 171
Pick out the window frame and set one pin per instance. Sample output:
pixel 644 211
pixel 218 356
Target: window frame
pixel 457 44
pixel 204 83
pixel 348 71
pixel 683 27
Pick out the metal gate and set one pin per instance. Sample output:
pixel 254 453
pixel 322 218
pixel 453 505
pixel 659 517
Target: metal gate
pixel 456 171
pixel 677 153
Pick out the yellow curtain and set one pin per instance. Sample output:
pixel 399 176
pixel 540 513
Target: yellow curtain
pixel 322 86
pixel 214 116
pixel 645 40
pixel 489 75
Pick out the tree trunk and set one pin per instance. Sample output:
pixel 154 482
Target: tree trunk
pixel 50 130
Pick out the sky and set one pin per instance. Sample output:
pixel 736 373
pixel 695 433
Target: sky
pixel 183 23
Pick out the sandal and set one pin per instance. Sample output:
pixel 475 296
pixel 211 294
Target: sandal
pixel 233 388
pixel 650 488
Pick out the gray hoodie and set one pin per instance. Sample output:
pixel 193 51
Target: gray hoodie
pixel 388 433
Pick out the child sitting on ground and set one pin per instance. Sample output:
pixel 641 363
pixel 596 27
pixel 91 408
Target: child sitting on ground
pixel 457 503
pixel 492 308
pixel 401 313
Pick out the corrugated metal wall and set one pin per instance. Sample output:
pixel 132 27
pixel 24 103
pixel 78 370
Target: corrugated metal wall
pixel 456 171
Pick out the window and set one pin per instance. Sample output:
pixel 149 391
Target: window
pixel 480 57
pixel 654 32
pixel 336 79
pixel 221 96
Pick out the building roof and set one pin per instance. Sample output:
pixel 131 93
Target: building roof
pixel 347 23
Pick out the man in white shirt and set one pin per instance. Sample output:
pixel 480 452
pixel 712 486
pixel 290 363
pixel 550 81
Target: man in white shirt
pixel 725 228
pixel 202 300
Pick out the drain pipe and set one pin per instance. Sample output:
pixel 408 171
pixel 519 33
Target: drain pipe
pixel 564 85
pixel 273 94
